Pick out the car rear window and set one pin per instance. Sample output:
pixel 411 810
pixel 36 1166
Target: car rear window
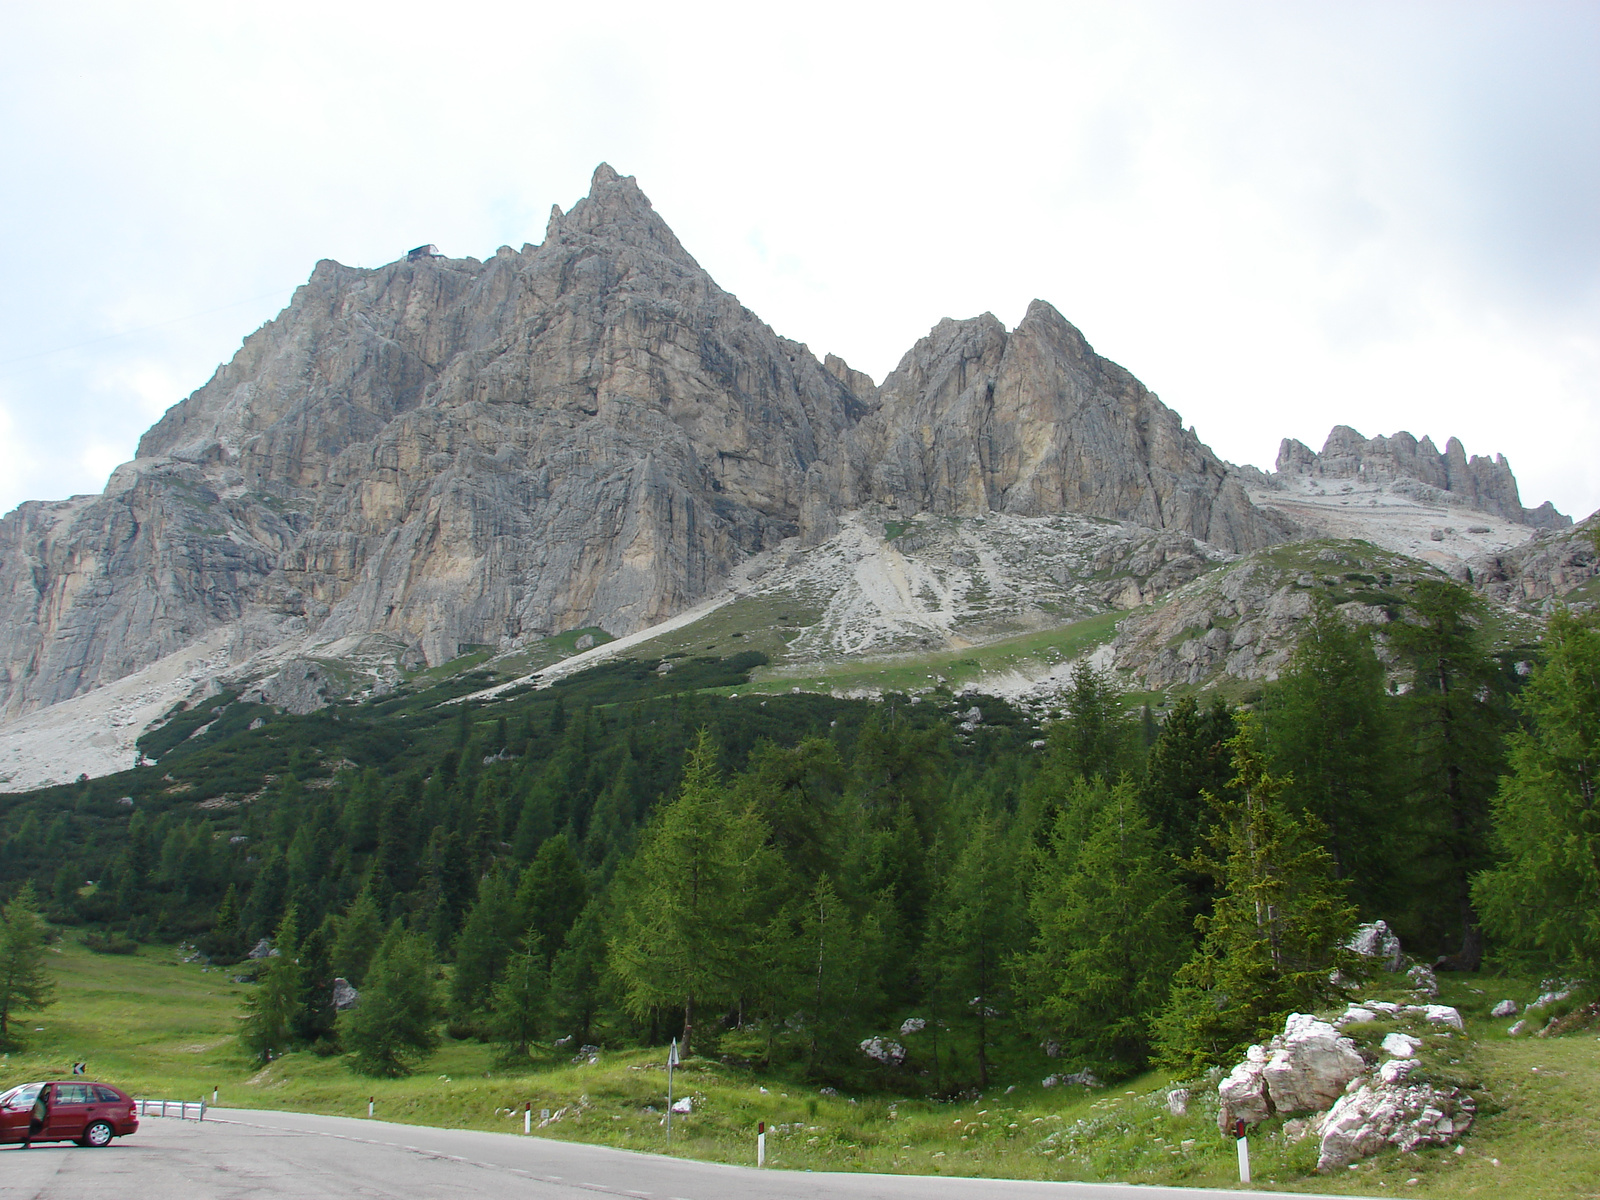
pixel 106 1095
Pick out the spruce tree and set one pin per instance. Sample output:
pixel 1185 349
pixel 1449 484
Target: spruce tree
pixel 1190 758
pixel 359 934
pixel 392 1029
pixel 485 943
pixel 1274 942
pixel 521 998
pixel 1331 729
pixel 578 972
pixel 551 894
pixel 273 1007
pixel 974 933
pixel 692 899
pixel 1109 919
pixel 315 1020
pixel 1543 899
pixel 837 956
pixel 25 985
pixel 1454 716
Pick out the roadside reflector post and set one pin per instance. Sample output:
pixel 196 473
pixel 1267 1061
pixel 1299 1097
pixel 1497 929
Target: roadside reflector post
pixel 213 1097
pixel 672 1061
pixel 527 1117
pixel 202 1108
pixel 370 1099
pixel 761 1143
pixel 1244 1152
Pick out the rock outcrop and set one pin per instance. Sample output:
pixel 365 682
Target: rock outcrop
pixel 1438 477
pixel 1302 1069
pixel 447 454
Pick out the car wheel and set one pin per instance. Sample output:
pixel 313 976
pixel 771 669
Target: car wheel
pixel 98 1134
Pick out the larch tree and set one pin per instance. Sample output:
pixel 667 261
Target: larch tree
pixel 25 985
pixel 1543 899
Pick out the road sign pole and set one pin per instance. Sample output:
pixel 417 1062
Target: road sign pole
pixel 672 1061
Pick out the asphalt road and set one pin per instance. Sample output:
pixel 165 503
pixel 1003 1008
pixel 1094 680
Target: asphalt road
pixel 240 1154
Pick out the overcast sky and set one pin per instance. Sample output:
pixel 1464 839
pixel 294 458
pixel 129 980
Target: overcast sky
pixel 1280 216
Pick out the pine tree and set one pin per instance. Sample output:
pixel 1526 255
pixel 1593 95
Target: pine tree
pixel 1189 758
pixel 521 998
pixel 1273 943
pixel 225 943
pixel 1455 716
pixel 485 943
pixel 1109 918
pixel 25 985
pixel 835 974
pixel 1331 729
pixel 1090 741
pixel 392 1028
pixel 974 932
pixel 272 1008
pixel 359 934
pixel 578 971
pixel 551 894
pixel 1544 898
pixel 691 898
pixel 315 1020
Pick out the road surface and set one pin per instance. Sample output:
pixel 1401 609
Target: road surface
pixel 241 1154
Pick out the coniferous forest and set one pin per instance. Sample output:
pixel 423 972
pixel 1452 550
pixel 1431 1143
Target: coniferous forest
pixel 907 892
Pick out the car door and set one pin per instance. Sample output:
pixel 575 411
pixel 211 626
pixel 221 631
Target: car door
pixel 69 1110
pixel 16 1106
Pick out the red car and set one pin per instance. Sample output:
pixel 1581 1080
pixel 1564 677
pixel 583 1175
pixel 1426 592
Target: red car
pixel 90 1114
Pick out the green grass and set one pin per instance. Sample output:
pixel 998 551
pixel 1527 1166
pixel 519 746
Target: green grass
pixel 956 668
pixel 161 1028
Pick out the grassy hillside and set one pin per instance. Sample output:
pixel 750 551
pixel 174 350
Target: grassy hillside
pixel 163 1028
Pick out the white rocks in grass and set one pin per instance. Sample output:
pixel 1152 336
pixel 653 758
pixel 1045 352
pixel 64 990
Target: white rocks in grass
pixel 1178 1102
pixel 882 1050
pixel 1304 1068
pixel 1376 940
pixel 1506 1008
pixel 1356 1014
pixel 686 1105
pixel 1401 1045
pixel 1086 1079
pixel 1443 1014
pixel 1398 1114
pixel 1513 1030
pixel 1423 980
pixel 912 1025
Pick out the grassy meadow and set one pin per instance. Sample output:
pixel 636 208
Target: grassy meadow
pixel 163 1028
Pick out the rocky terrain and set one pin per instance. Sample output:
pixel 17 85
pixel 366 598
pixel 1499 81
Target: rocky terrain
pixel 442 457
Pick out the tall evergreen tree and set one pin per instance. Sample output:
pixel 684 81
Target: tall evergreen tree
pixel 272 1008
pixel 392 1029
pixel 521 998
pixel 1455 716
pixel 974 933
pixel 1109 919
pixel 551 894
pixel 1332 733
pixel 25 984
pixel 485 943
pixel 1190 758
pixel 1543 899
pixel 836 954
pixel 1274 940
pixel 691 900
pixel 359 934
pixel 315 1020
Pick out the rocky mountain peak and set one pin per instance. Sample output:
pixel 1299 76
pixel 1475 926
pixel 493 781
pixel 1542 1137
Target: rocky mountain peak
pixel 1448 476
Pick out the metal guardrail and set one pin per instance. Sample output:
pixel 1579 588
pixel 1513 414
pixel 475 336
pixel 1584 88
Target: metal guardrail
pixel 184 1110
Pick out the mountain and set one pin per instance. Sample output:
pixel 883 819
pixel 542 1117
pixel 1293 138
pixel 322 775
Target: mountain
pixel 449 453
pixel 442 457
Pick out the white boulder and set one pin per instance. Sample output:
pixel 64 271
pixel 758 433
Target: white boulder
pixel 1399 1114
pixel 1304 1068
pixel 1506 1008
pixel 1443 1014
pixel 1401 1045
pixel 1377 941
pixel 1423 980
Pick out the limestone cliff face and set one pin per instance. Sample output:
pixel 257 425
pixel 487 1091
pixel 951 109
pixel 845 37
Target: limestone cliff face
pixel 1033 421
pixel 442 453
pixel 1480 482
